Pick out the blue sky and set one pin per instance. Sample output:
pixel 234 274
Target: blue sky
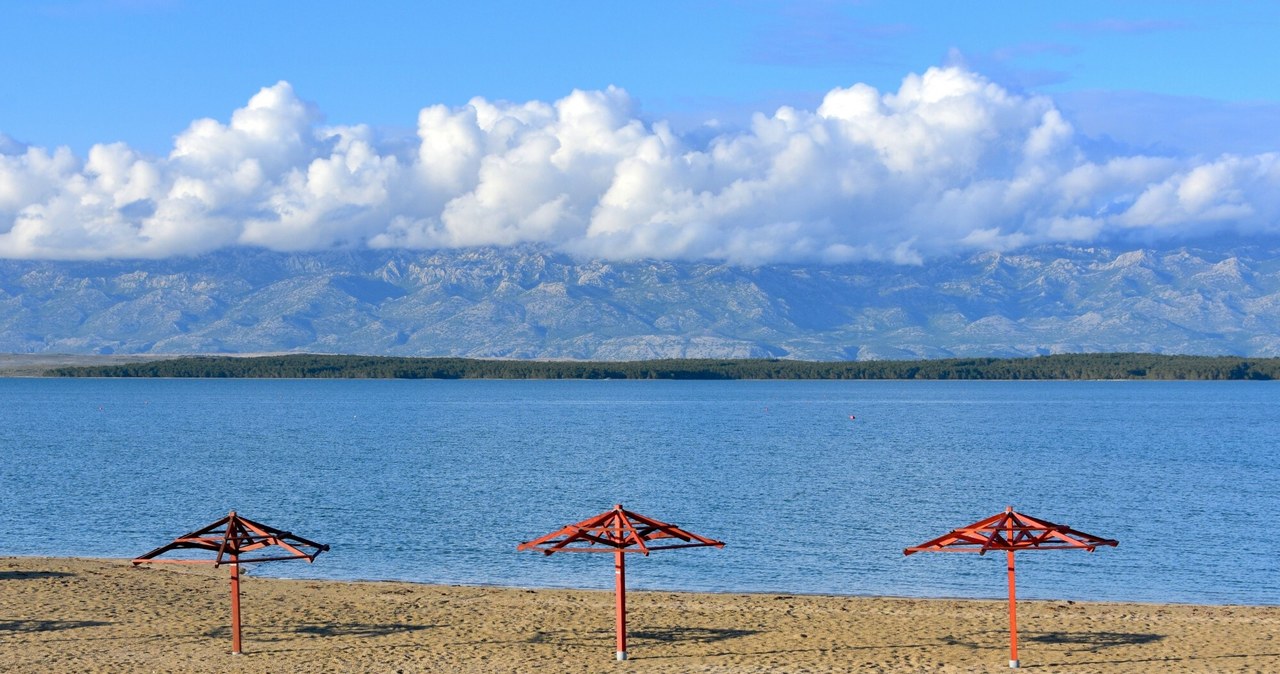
pixel 1183 83
pixel 85 71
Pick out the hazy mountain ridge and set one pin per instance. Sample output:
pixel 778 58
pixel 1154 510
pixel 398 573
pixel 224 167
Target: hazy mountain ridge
pixel 529 302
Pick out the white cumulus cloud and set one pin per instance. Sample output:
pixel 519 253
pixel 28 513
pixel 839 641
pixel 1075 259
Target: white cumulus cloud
pixel 948 162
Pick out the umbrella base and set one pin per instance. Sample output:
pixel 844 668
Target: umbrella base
pixel 1013 664
pixel 622 655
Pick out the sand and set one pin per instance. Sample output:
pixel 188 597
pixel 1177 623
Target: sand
pixel 84 615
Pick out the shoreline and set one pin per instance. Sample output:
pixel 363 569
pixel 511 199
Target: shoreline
pixel 1072 366
pixel 61 614
pixel 250 572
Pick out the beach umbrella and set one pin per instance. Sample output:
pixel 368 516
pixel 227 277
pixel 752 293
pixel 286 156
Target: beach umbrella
pixel 1012 532
pixel 618 531
pixel 236 540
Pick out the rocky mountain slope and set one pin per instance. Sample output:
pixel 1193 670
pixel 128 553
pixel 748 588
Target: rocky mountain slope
pixel 534 303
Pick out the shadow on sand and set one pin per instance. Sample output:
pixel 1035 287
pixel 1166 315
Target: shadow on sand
pixel 47 625
pixel 31 575
pixel 1091 642
pixel 700 635
pixel 276 633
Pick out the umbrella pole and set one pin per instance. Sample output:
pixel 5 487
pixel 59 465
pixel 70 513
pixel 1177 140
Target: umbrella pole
pixel 235 605
pixel 1013 616
pixel 620 575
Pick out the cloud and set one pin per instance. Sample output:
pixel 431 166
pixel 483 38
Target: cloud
pixel 948 162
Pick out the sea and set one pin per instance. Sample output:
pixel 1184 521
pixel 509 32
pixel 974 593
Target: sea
pixel 815 487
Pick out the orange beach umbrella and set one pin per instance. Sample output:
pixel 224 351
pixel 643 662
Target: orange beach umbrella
pixel 1012 531
pixel 234 540
pixel 618 531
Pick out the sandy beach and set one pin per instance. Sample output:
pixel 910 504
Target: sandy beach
pixel 86 615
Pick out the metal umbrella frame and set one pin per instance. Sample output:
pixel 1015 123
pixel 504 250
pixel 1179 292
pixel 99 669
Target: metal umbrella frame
pixel 618 531
pixel 231 539
pixel 1012 532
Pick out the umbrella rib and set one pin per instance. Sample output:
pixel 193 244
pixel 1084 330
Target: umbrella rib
pixel 192 535
pixel 1069 539
pixel 527 545
pixel 284 544
pixel 597 539
pixel 676 546
pixel 226 540
pixel 1037 523
pixel 281 537
pixel 618 530
pixel 569 537
pixel 240 536
pixel 209 529
pixel 638 538
pixel 675 531
pixel 669 529
pixel 1010 530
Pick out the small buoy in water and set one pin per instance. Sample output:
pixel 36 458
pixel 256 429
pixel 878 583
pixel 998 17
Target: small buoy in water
pixel 851 417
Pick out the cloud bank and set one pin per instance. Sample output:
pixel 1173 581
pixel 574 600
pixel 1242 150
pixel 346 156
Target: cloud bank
pixel 949 162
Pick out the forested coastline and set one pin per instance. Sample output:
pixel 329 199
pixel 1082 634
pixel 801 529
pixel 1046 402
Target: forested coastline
pixel 1062 366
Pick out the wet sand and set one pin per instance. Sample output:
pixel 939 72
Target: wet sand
pixel 83 615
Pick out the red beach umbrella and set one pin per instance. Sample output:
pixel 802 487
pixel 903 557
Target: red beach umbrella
pixel 618 531
pixel 1012 531
pixel 230 539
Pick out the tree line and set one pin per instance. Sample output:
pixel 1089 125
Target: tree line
pixel 1062 366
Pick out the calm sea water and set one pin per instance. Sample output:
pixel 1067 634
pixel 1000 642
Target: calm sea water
pixel 437 481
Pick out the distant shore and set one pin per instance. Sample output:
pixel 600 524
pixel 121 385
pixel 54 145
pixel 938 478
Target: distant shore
pixel 1095 366
pixel 84 615
pixel 39 364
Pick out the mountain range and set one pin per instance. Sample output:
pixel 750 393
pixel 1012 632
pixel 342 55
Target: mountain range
pixel 534 303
